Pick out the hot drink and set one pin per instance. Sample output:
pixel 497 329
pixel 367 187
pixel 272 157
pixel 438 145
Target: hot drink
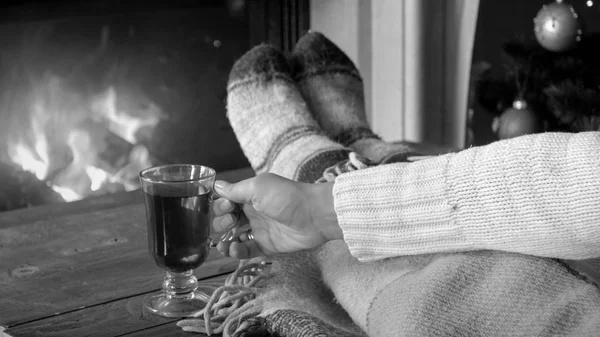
pixel 177 200
pixel 178 227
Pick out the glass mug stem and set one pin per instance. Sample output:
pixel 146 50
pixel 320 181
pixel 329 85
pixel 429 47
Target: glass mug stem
pixel 180 285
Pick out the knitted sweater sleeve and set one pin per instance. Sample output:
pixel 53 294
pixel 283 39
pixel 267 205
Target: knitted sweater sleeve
pixel 536 195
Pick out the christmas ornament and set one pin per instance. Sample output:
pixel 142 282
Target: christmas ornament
pixel 557 27
pixel 516 121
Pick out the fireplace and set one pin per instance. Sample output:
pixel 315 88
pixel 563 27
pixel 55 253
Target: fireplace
pixel 94 91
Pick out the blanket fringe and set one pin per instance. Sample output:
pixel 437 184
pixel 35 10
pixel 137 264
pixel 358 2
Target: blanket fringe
pixel 356 162
pixel 231 304
pixel 353 163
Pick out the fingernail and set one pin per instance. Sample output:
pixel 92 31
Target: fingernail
pixel 227 236
pixel 220 185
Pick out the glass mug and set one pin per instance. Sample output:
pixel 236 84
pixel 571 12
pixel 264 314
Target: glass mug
pixel 178 199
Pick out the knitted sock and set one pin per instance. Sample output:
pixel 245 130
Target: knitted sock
pixel 271 120
pixel 333 89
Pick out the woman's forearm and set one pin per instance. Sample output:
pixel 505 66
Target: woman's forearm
pixel 537 195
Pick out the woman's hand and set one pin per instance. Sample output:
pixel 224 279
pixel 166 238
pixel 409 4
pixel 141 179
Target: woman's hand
pixel 285 215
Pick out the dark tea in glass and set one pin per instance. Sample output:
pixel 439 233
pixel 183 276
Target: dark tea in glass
pixel 184 246
pixel 177 199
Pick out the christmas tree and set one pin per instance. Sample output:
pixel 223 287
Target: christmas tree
pixel 552 78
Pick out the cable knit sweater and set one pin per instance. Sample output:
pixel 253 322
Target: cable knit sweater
pixel 537 195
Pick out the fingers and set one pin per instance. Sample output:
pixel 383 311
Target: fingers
pixel 241 247
pixel 240 250
pixel 244 250
pixel 225 222
pixel 263 191
pixel 223 247
pixel 226 210
pixel 222 206
pixel 241 192
pixel 226 215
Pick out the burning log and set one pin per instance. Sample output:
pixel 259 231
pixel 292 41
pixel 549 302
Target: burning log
pixel 99 162
pixel 20 189
pixel 102 162
pixel 122 159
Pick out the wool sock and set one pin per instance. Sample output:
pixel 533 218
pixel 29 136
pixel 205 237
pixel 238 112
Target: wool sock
pixel 271 119
pixel 333 89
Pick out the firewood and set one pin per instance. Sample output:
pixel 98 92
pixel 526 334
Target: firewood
pixel 20 189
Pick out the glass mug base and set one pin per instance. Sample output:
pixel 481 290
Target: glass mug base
pixel 181 306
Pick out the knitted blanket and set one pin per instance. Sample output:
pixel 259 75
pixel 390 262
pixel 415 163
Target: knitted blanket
pixel 327 292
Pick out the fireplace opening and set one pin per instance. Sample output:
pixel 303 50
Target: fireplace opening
pixel 92 92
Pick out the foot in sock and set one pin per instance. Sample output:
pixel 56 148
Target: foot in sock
pixel 333 89
pixel 271 119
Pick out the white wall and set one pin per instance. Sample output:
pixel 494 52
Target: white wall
pixel 414 56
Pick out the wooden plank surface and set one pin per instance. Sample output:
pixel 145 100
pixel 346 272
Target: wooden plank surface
pixel 122 317
pixel 81 260
pixel 51 264
pixel 163 330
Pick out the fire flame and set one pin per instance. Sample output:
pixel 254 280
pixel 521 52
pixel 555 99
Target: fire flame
pixel 62 124
pixel 34 159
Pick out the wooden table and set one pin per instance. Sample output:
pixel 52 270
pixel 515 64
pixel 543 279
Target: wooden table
pixel 83 269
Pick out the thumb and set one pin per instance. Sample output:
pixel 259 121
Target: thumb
pixel 241 192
